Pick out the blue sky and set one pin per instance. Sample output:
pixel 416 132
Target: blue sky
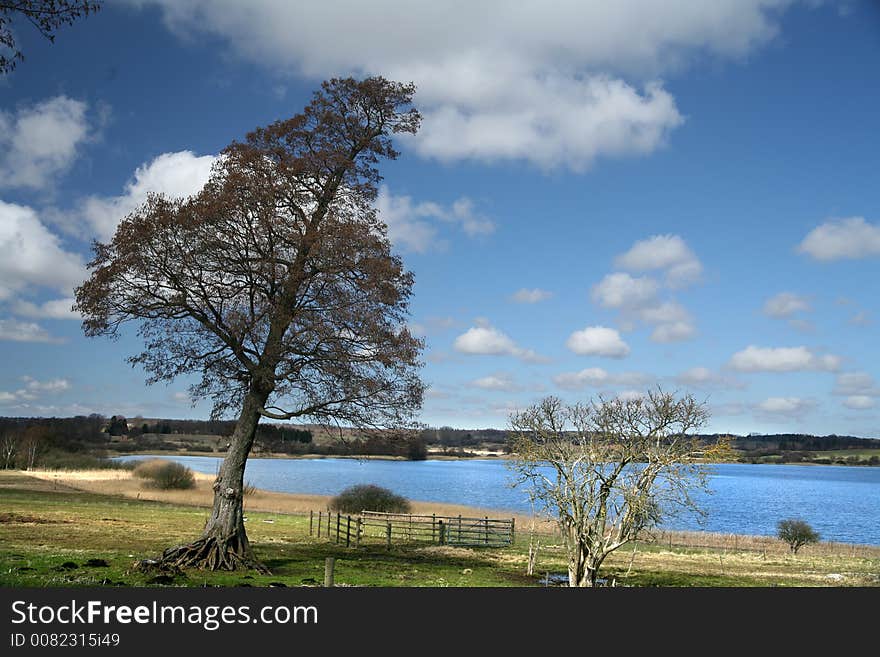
pixel 601 199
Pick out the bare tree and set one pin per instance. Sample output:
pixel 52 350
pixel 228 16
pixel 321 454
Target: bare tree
pixel 276 285
pixel 606 470
pixel 797 533
pixel 44 15
pixel 8 449
pixel 32 442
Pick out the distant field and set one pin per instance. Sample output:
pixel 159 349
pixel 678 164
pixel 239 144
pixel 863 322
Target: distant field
pixel 52 534
pixel 843 453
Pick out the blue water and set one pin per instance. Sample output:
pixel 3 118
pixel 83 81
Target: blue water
pixel 841 503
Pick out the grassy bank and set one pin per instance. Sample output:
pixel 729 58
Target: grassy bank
pixel 54 533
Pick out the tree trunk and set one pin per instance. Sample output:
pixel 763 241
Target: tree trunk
pixel 224 543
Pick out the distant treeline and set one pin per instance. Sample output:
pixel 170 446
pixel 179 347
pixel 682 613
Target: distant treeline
pixel 45 442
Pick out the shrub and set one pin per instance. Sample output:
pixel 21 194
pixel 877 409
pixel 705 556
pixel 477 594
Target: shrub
pixel 797 533
pixel 165 475
pixel 368 497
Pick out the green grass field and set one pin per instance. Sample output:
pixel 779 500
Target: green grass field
pixel 49 537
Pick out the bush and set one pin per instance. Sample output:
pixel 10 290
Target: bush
pixel 797 533
pixel 165 475
pixel 368 497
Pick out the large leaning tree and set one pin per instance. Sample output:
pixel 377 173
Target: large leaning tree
pixel 275 285
pixel 607 470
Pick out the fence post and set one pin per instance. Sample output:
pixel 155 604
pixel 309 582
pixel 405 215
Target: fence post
pixel 388 534
pixel 459 528
pixel 433 527
pixel 486 540
pixel 311 518
pixel 320 519
pixel 329 564
pixel 357 540
pixel 347 531
pixel 338 521
pixel 442 533
pixel 512 530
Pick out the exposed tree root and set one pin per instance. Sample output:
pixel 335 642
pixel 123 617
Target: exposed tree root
pixel 211 553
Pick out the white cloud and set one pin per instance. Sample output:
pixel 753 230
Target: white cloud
pixel 858 384
pixel 15 331
pixel 412 226
pixel 549 120
pixel 785 406
pixel 33 390
pixel 595 377
pixel 40 142
pixel 533 295
pixel 501 80
pixel 638 297
pixel 668 253
pixel 484 339
pixel 673 323
pixel 860 402
pixel 782 359
pixel 500 381
pixel 31 255
pixel 52 309
pixel 786 304
pixel 705 378
pixel 179 174
pixel 837 239
pixel 673 332
pixel 598 341
pixel 622 291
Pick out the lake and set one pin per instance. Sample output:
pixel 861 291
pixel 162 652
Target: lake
pixel 841 503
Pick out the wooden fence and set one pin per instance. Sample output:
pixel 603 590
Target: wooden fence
pixel 392 528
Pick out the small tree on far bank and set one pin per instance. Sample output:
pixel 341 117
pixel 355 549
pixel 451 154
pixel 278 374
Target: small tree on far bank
pixel 797 533
pixel 609 469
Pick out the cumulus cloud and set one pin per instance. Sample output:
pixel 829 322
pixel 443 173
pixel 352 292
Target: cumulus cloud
pixel 544 82
pixel 786 304
pixel 52 309
pixel 705 378
pixel 860 402
pixel 791 407
pixel 178 174
pixel 596 377
pixel 484 339
pixel 839 239
pixel 501 381
pixel 856 384
pixel 533 295
pixel 413 226
pixel 638 298
pixel 15 331
pixel 622 291
pixel 782 359
pixel 667 253
pixel 31 255
pixel 40 142
pixel 32 390
pixel 598 341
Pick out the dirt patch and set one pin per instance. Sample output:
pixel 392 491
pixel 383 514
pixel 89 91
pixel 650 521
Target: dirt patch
pixel 22 518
